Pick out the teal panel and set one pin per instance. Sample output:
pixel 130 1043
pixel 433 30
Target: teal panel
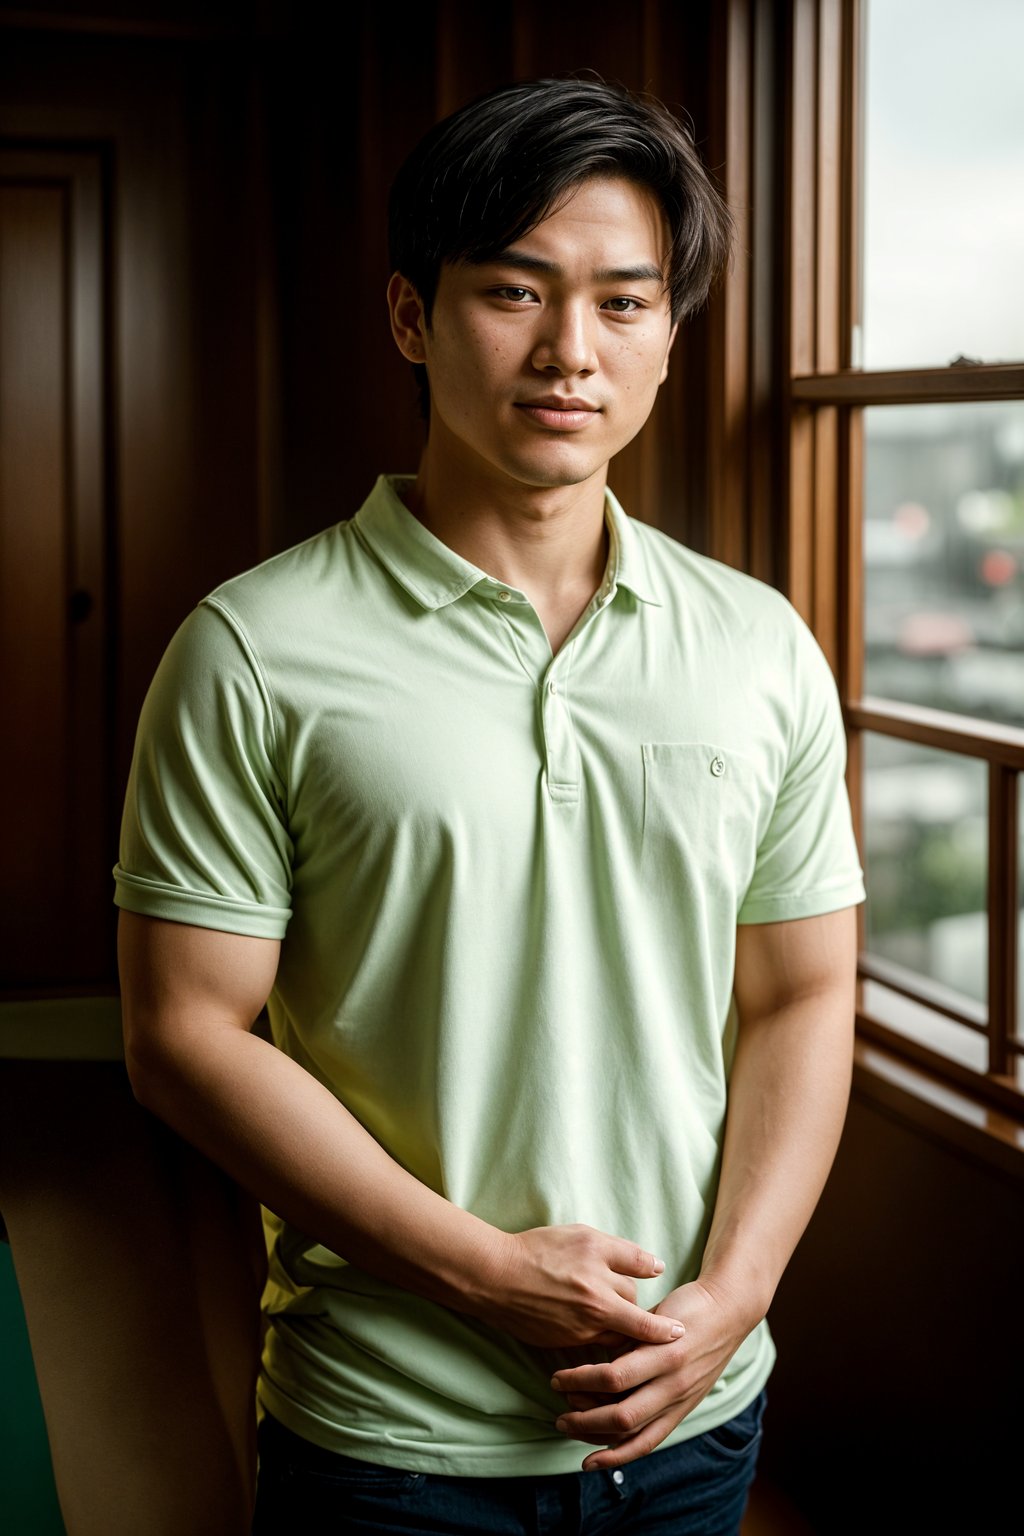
pixel 28 1498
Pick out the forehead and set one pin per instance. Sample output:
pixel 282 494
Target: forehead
pixel 609 219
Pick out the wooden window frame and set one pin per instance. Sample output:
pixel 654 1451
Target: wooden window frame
pixel 826 395
pixel 788 132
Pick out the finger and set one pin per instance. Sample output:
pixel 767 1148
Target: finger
pixel 627 1259
pixel 634 1447
pixel 610 1423
pixel 648 1327
pixel 603 1441
pixel 607 1377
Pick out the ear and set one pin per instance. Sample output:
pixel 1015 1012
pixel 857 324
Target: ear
pixel 668 350
pixel 408 325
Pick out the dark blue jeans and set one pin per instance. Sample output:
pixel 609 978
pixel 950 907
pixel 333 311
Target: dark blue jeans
pixel 698 1488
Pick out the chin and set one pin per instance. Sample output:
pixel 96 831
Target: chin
pixel 555 471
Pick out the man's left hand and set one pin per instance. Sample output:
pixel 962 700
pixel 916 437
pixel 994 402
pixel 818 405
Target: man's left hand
pixel 629 1404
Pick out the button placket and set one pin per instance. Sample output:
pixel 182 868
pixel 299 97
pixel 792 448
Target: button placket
pixel 562 760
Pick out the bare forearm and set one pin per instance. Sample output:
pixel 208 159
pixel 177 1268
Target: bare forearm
pixel 787 1101
pixel 287 1139
pixel 189 996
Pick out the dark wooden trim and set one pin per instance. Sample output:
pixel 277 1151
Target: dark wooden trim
pixel 964 734
pixel 729 331
pixel 817 221
pixel 912 386
pixel 270 532
pixel 256 25
pixel 881 1028
pixel 766 498
pixel 799 300
pixel 824 553
pixel 851 553
pixel 851 177
pixel 939 1110
pixel 828 341
pixel 1003 832
pixel 802 181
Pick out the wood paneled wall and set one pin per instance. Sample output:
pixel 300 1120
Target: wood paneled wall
pixel 342 123
pixel 241 388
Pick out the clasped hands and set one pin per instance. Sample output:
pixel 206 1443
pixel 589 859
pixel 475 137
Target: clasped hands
pixel 575 1287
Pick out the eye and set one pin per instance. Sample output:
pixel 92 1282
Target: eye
pixel 514 295
pixel 622 306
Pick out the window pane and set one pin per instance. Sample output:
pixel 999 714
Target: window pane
pixel 926 855
pixel 927 1027
pixel 943 182
pixel 944 557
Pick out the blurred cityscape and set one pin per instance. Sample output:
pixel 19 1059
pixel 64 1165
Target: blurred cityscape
pixel 944 627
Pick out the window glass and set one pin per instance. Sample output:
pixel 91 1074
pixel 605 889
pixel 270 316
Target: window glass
pixel 944 557
pixel 943 183
pixel 926 1026
pixel 926 856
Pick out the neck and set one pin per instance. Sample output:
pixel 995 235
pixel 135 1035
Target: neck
pixel 548 541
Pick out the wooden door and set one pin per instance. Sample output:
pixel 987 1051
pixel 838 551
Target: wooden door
pixel 54 537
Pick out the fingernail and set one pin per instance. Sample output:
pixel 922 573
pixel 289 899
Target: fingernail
pixel 678 1331
pixel 659 1265
pixel 556 1384
pixel 560 1424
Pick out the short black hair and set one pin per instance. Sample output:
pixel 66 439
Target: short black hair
pixel 493 170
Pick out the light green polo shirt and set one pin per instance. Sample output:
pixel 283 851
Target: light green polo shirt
pixel 508 885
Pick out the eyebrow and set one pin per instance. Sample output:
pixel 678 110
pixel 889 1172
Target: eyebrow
pixel 643 272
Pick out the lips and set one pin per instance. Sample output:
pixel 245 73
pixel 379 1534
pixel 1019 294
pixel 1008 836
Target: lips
pixel 559 413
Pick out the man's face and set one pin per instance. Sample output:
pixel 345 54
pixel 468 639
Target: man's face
pixel 546 361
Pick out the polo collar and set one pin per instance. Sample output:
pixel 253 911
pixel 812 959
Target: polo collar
pixel 628 564
pixel 435 575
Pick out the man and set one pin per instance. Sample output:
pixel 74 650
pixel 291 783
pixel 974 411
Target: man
pixel 531 826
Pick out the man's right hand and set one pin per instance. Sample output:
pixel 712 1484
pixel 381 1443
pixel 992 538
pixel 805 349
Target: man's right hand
pixel 557 1287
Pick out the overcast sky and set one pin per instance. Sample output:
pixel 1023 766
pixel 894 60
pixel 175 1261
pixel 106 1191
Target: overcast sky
pixel 944 182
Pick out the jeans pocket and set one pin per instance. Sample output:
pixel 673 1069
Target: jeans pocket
pixel 738 1436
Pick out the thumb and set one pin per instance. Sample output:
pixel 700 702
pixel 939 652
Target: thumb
pixel 663 1330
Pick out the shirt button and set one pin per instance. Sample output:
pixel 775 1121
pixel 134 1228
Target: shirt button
pixel 504 597
pixel 717 766
pixel 618 1477
pixel 552 687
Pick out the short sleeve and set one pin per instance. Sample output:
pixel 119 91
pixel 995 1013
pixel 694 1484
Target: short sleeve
pixel 807 860
pixel 204 837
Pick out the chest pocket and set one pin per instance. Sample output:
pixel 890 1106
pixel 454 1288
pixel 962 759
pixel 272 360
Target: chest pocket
pixel 701 818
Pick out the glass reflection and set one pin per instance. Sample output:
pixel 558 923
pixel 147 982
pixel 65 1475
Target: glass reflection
pixel 944 557
pixel 926 855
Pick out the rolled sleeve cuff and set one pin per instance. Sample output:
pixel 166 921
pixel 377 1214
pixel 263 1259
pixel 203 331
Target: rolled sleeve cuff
pixel 783 908
pixel 150 898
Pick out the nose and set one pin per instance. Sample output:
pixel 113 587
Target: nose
pixel 566 344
